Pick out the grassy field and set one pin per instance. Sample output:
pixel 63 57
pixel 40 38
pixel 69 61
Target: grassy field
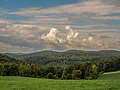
pixel 109 81
pixel 110 76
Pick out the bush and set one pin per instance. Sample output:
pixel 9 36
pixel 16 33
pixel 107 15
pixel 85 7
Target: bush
pixel 50 76
pixel 76 74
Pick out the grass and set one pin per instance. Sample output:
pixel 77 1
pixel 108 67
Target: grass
pixel 110 76
pixel 105 82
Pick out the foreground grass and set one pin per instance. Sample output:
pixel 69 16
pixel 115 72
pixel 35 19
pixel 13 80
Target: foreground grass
pixel 105 82
pixel 24 83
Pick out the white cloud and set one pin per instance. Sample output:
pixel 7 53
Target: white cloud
pixel 92 42
pixel 5 21
pixel 70 13
pixel 59 39
pixel 12 48
pixel 41 20
pixel 89 39
pixel 51 36
pixel 46 20
pixel 54 36
pixel 90 6
pixel 107 18
pixel 71 35
pixel 23 31
pixel 76 40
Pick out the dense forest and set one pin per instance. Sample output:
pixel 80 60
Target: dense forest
pixel 5 58
pixel 54 58
pixel 76 70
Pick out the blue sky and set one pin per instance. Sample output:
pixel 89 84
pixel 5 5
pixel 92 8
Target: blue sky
pixel 17 4
pixel 32 25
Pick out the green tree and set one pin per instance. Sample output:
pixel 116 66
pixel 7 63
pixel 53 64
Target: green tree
pixel 76 74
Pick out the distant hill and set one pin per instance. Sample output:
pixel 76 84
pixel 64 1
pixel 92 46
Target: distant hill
pixel 23 55
pixel 64 58
pixel 80 52
pixel 13 54
pixel 5 58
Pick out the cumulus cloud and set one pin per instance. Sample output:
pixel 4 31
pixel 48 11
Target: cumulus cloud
pixel 76 40
pixel 61 38
pixel 71 35
pixel 71 39
pixel 88 19
pixel 54 36
pixel 89 39
pixel 51 36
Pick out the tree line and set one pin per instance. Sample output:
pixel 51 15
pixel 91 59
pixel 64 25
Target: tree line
pixel 82 70
pixel 48 58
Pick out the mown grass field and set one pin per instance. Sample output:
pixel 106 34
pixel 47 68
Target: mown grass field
pixel 109 81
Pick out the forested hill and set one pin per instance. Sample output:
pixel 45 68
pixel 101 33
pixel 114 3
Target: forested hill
pixel 61 65
pixel 47 58
pixel 102 53
pixel 5 58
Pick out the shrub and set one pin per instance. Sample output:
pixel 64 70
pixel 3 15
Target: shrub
pixel 76 74
pixel 50 76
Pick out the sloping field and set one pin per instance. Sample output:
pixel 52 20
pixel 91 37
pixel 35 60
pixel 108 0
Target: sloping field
pixel 110 76
pixel 25 83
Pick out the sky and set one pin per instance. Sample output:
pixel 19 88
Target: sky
pixel 35 25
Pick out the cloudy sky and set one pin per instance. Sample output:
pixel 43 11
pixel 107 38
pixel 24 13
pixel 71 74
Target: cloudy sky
pixel 33 25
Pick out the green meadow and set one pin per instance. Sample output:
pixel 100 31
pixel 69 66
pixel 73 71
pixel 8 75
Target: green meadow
pixel 107 81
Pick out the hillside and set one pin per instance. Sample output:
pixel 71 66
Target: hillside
pixel 5 58
pixel 78 52
pixel 54 58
